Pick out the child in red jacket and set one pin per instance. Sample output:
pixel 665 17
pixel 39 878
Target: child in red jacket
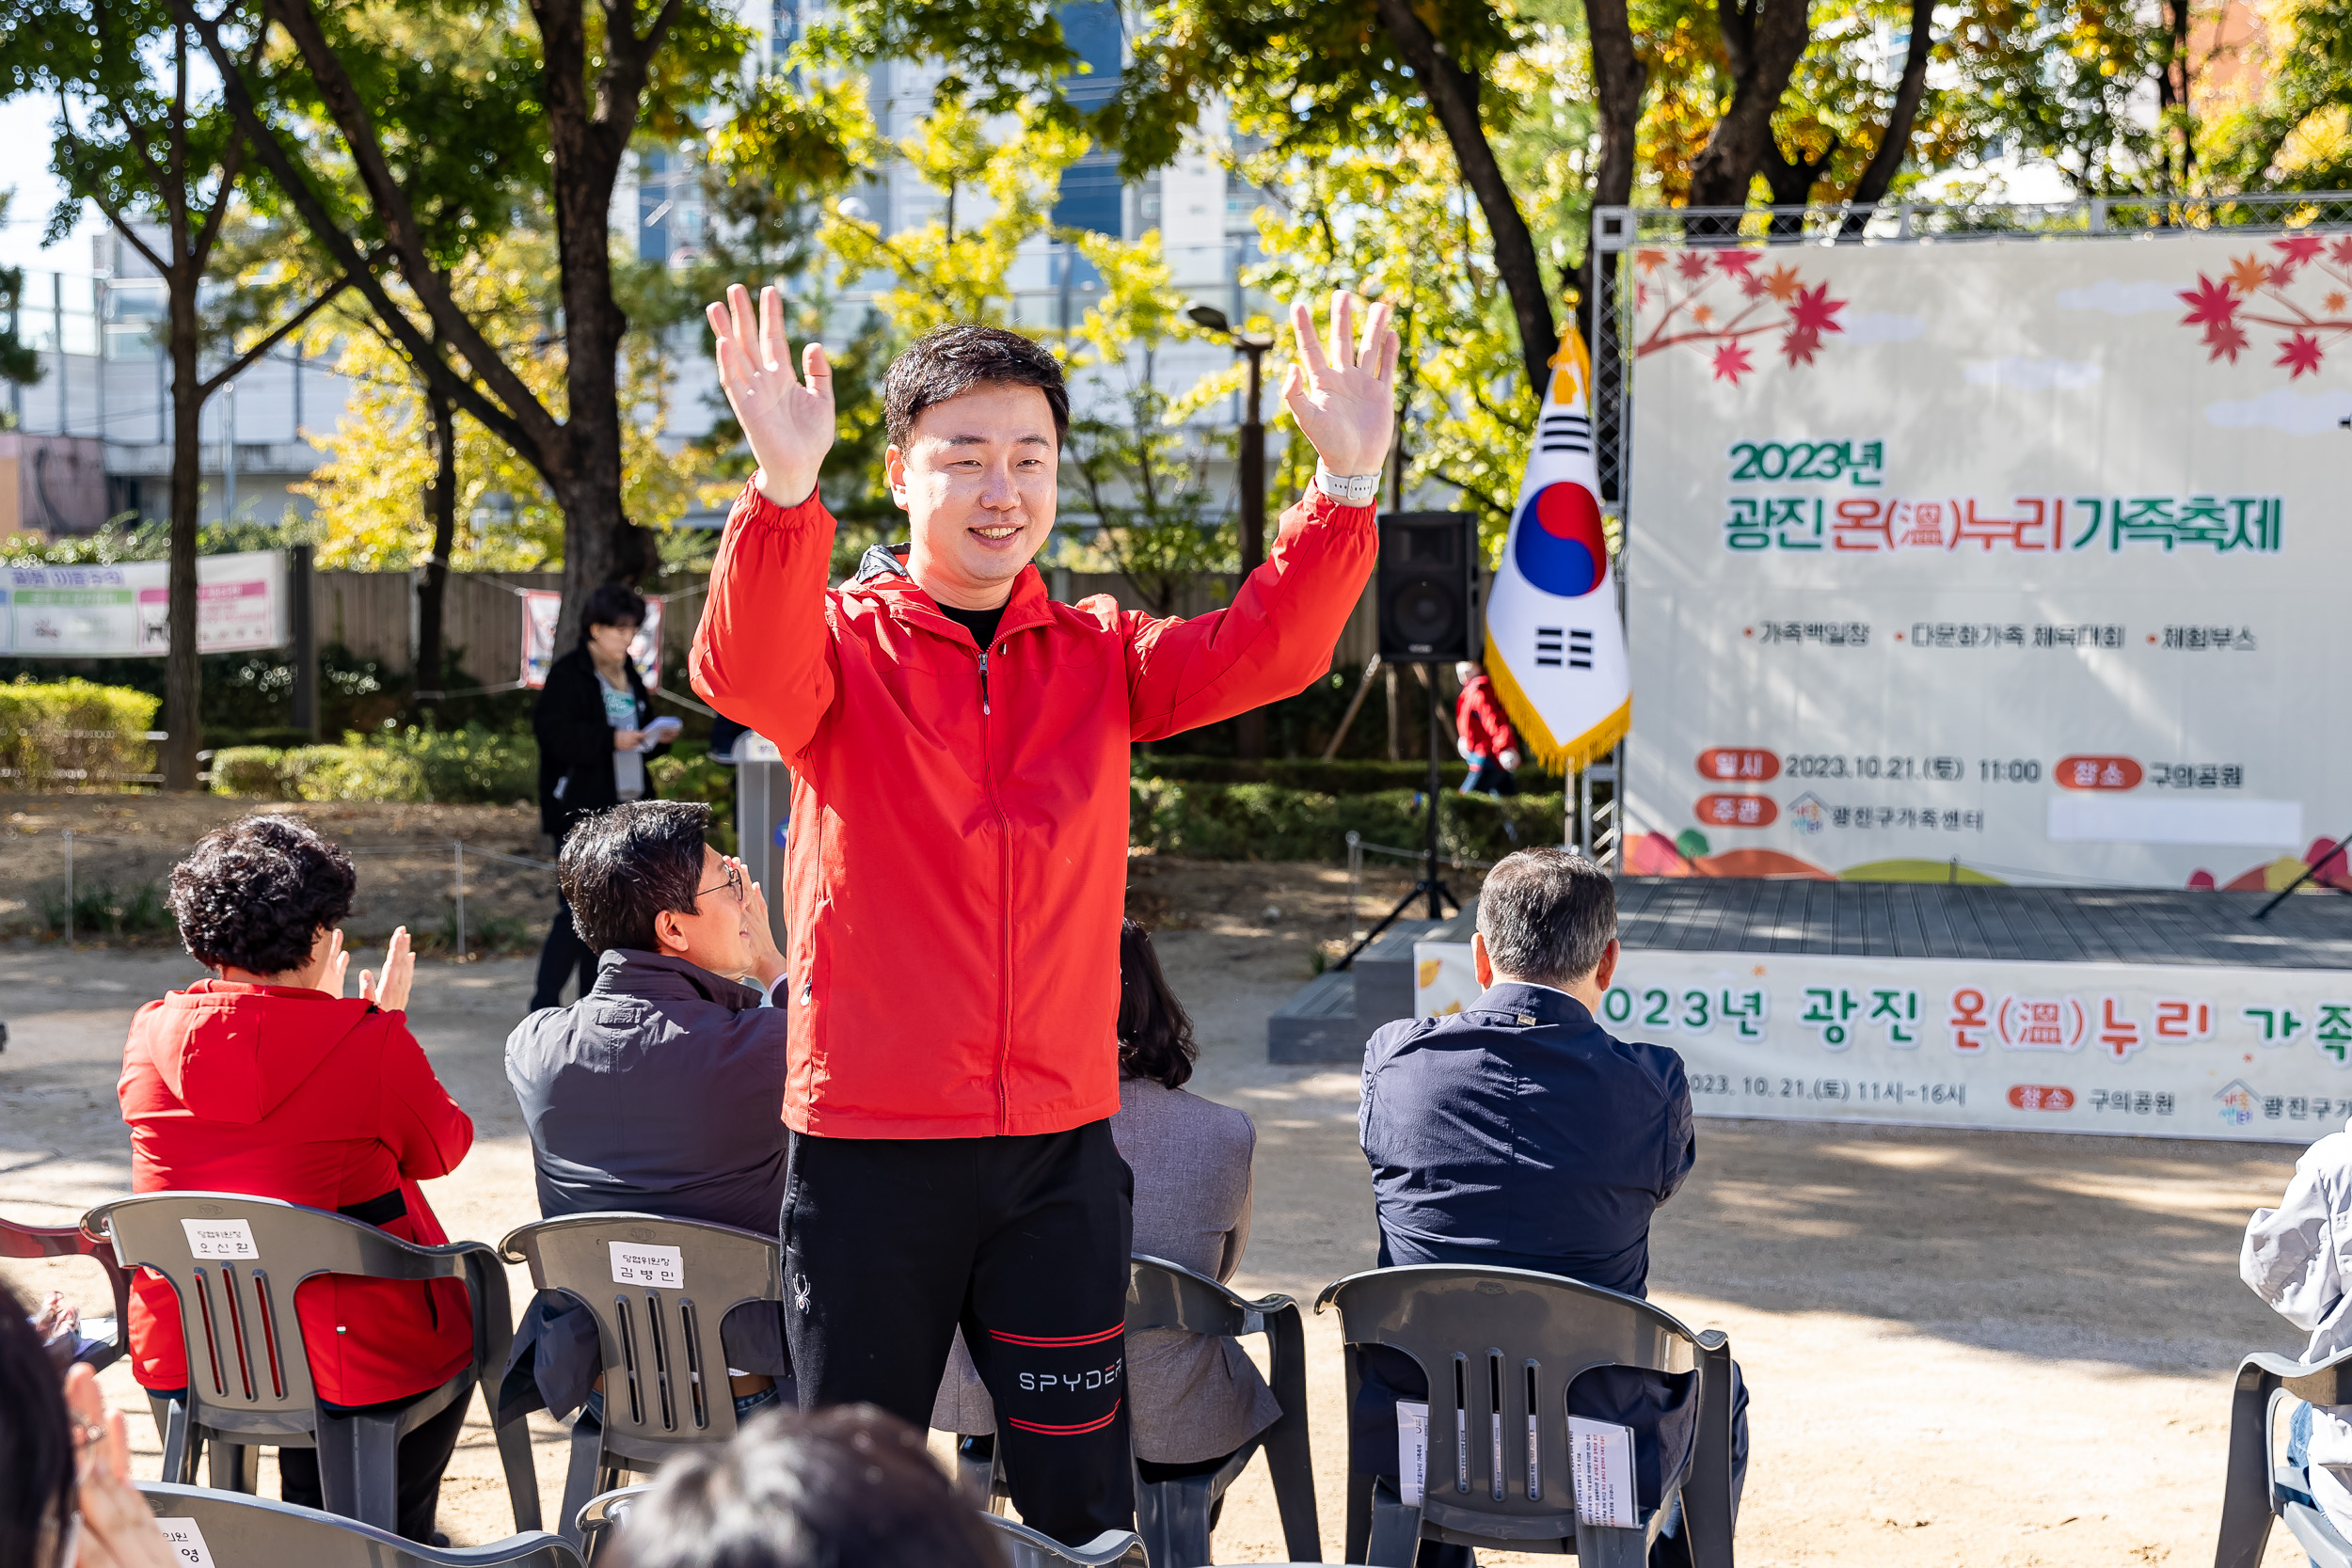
pixel 269 1080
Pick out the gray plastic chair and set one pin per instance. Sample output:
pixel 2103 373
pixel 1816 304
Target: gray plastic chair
pixel 249 1381
pixel 71 1241
pixel 1473 1330
pixel 665 1374
pixel 2257 1490
pixel 261 1532
pixel 603 1511
pixel 1029 1548
pixel 1175 1519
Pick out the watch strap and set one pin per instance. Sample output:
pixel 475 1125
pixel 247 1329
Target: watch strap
pixel 1348 489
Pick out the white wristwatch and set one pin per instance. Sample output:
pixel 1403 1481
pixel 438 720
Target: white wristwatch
pixel 1348 489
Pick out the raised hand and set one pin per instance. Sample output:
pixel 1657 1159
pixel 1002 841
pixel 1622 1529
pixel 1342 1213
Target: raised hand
pixel 338 961
pixel 1343 396
pixel 400 969
pixel 788 424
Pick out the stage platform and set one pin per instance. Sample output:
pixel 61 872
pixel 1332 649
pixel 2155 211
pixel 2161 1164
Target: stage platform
pixel 1329 1020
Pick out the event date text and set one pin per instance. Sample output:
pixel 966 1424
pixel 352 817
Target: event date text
pixel 1852 1091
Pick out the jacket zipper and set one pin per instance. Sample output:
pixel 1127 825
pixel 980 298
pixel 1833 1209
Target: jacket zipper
pixel 1003 907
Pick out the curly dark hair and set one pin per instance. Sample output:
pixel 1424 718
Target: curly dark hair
pixel 254 894
pixel 1154 1031
pixel 952 361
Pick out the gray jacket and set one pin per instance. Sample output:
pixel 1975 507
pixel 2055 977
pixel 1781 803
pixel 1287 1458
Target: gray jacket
pixel 2299 1257
pixel 660 1091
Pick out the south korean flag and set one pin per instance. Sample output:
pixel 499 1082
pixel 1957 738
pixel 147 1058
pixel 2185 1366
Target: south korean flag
pixel 1555 648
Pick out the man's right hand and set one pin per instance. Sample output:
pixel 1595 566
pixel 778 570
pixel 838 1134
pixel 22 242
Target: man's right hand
pixel 789 425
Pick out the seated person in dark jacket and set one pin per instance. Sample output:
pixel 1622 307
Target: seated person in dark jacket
pixel 1520 1135
pixel 656 1091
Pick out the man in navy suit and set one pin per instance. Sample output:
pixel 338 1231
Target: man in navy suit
pixel 1520 1134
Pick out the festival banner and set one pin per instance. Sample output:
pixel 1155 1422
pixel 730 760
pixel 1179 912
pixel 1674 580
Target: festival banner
pixel 124 609
pixel 2006 561
pixel 2160 1049
pixel 1555 647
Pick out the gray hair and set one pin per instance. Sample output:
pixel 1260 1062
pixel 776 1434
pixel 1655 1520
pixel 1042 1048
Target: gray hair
pixel 1548 916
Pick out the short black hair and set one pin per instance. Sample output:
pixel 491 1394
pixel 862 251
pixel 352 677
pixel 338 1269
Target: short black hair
pixel 252 896
pixel 1547 915
pixel 848 1487
pixel 952 361
pixel 1154 1031
pixel 37 1477
pixel 615 604
pixel 621 867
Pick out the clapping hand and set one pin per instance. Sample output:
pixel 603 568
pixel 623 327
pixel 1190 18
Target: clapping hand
pixel 337 963
pixel 788 424
pixel 1343 396
pixel 400 968
pixel 118 1528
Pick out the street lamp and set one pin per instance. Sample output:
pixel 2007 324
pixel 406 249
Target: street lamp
pixel 1253 344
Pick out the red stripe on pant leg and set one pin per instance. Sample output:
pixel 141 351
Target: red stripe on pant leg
pixel 1048 1342
pixel 1070 1431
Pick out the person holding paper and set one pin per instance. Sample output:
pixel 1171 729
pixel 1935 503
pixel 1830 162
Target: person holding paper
pixel 596 730
pixel 268 1081
pixel 1520 1134
pixel 959 746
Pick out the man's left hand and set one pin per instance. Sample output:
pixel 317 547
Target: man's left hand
pixel 1344 395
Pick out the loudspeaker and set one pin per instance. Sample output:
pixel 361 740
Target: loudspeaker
pixel 1427 564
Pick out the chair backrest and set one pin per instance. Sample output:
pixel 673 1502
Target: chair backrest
pixel 235 1530
pixel 71 1241
pixel 1500 1347
pixel 235 1262
pixel 1029 1548
pixel 1161 1294
pixel 659 1289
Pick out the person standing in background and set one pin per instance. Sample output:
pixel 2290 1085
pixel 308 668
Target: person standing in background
pixel 591 721
pixel 1483 734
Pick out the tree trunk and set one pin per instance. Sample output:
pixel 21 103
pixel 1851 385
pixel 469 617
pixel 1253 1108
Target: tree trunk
pixel 1453 97
pixel 184 684
pixel 1791 181
pixel 441 504
pixel 2172 90
pixel 1763 39
pixel 1895 145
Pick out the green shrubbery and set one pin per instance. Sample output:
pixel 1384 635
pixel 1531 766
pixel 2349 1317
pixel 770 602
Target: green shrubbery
pixel 55 733
pixel 1270 823
pixel 469 765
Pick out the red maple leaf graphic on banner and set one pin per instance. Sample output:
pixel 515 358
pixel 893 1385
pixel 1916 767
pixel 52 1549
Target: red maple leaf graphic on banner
pixel 2302 296
pixel 1717 300
pixel 2301 351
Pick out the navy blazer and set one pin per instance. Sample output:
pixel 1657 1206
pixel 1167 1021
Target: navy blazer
pixel 1522 1135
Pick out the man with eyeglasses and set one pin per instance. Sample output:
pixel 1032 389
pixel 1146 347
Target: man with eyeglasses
pixel 656 1091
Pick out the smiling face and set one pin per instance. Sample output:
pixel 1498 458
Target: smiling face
pixel 976 478
pixel 718 935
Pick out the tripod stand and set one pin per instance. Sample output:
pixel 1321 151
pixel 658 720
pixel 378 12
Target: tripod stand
pixel 1430 883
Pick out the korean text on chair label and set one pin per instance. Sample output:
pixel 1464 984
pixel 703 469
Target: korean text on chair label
pixel 662 1267
pixel 1412 1449
pixel 220 1238
pixel 186 1541
pixel 1600 1465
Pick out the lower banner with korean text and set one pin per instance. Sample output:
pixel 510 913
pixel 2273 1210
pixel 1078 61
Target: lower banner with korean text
pixel 2155 1050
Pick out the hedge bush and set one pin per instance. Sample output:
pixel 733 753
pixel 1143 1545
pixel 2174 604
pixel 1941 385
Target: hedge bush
pixel 469 765
pixel 1269 822
pixel 56 734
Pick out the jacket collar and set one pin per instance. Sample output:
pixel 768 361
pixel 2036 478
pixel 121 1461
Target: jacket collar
pixel 658 977
pixel 882 572
pixel 1538 1001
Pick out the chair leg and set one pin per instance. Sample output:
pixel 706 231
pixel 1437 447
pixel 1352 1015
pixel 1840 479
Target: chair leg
pixel 1358 1520
pixel 180 1442
pixel 1707 1520
pixel 522 1473
pixel 1173 1516
pixel 579 1479
pixel 235 1467
pixel 359 1460
pixel 1600 1546
pixel 1396 1531
pixel 2246 1504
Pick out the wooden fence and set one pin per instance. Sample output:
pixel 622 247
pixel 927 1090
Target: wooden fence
pixel 372 613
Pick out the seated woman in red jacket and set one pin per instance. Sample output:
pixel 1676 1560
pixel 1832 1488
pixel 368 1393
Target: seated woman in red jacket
pixel 269 1080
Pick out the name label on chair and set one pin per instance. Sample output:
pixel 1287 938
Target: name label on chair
pixel 1601 1467
pixel 220 1238
pixel 662 1267
pixel 1412 1449
pixel 186 1541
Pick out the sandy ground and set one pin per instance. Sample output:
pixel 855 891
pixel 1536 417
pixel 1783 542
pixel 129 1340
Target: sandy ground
pixel 1965 1348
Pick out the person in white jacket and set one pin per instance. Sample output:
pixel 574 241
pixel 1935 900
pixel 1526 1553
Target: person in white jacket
pixel 2299 1257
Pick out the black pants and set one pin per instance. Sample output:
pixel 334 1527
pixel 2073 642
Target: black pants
pixel 890 1243
pixel 424 1455
pixel 563 953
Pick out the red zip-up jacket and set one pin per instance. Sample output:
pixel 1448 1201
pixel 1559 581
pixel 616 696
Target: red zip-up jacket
pixel 958 859
pixel 1478 718
pixel 282 1092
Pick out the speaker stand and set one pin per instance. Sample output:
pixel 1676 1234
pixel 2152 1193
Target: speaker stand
pixel 1430 883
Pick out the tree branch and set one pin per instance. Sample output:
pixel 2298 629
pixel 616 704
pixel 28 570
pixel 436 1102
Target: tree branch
pixel 1886 161
pixel 276 335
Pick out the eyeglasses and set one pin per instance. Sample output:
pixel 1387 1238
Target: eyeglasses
pixel 734 883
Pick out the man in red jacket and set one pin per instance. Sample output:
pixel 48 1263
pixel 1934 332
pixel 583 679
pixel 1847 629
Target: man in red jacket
pixel 957 868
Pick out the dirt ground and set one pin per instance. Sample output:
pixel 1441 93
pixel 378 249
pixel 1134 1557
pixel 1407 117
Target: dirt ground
pixel 1964 1348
